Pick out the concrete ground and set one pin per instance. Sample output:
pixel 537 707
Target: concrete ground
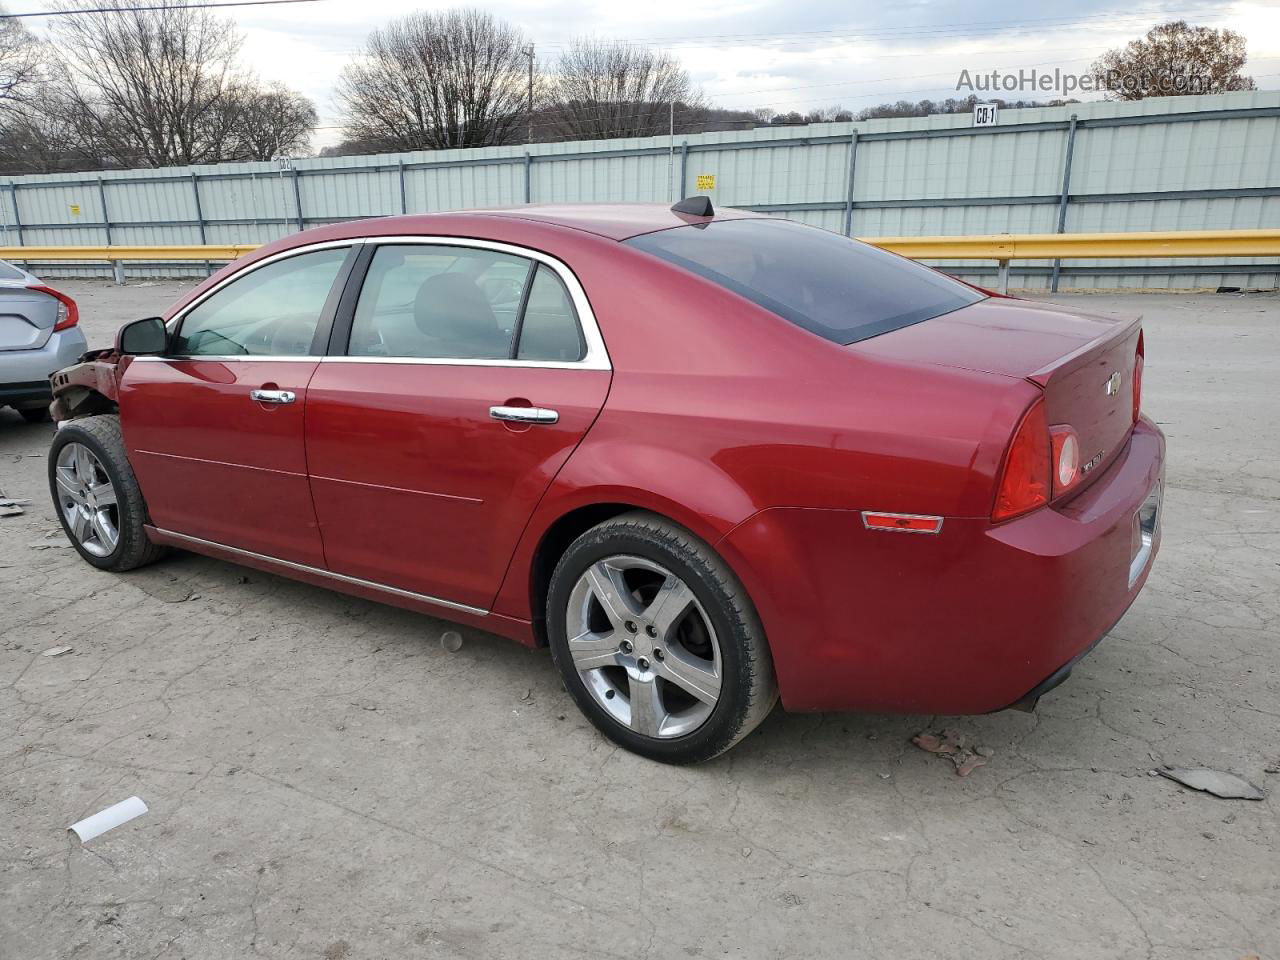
pixel 325 780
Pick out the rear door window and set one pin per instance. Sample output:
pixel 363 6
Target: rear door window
pixel 444 302
pixel 838 288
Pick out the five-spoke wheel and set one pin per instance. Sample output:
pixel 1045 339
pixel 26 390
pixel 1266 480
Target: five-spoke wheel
pixel 97 496
pixel 644 647
pixel 657 640
pixel 87 499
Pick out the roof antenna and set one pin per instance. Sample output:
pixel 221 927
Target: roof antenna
pixel 694 207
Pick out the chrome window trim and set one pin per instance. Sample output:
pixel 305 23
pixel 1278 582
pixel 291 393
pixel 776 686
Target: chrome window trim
pixel 329 574
pixel 597 356
pixel 176 320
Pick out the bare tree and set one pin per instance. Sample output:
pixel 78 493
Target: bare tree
pixel 603 89
pixel 431 81
pixel 145 85
pixel 20 58
pixel 271 121
pixel 1175 59
pixel 36 136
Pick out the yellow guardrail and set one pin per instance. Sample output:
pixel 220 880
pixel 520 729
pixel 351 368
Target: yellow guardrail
pixel 1000 247
pixel 125 254
pixel 1088 246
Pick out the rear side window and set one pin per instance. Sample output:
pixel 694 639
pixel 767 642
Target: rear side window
pixel 462 303
pixel 10 273
pixel 549 329
pixel 838 288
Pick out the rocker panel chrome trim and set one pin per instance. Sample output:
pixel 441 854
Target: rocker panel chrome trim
pixel 328 574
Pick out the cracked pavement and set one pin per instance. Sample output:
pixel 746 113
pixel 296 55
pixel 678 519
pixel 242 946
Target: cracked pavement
pixel 325 780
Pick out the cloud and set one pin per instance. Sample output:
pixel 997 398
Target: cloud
pixel 799 55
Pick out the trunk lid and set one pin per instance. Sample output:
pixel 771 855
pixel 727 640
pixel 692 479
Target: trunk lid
pixel 27 317
pixel 1084 363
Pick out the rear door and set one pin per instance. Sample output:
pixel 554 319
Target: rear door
pixel 462 376
pixel 214 429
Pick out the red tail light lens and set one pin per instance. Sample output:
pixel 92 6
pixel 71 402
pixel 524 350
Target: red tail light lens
pixel 1138 363
pixel 68 312
pixel 1025 481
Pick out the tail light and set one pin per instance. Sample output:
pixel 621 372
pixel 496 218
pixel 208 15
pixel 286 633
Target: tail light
pixel 1138 363
pixel 68 312
pixel 1066 458
pixel 1025 481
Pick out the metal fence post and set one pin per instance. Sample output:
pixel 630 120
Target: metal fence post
pixel 195 193
pixel 297 197
pixel 528 177
pixel 848 196
pixel 1002 276
pixel 404 202
pixel 684 168
pixel 17 214
pixel 1062 201
pixel 117 266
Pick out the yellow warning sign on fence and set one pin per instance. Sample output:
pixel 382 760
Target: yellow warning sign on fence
pixel 706 181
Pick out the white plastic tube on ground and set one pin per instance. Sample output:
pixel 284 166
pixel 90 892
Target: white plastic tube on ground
pixel 108 819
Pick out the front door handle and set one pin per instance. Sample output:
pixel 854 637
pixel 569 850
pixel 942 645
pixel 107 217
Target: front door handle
pixel 273 396
pixel 524 414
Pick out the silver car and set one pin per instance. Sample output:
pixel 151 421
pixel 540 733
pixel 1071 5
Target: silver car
pixel 39 333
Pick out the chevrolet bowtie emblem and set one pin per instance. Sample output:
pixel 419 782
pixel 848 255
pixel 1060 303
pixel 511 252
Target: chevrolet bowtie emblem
pixel 1113 384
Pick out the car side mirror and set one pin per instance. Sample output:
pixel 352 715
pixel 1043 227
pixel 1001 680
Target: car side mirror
pixel 142 337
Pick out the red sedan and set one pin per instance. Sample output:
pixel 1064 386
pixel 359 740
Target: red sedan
pixel 708 458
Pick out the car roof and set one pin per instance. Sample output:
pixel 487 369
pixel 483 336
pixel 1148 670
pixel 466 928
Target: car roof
pixel 616 221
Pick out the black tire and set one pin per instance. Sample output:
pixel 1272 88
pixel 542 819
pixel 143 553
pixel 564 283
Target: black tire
pixel 35 414
pixel 101 434
pixel 748 688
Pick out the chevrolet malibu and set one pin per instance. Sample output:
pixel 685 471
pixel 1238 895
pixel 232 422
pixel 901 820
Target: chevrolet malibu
pixel 709 459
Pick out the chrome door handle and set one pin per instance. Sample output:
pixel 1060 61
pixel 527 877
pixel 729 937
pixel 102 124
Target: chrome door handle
pixel 273 396
pixel 524 414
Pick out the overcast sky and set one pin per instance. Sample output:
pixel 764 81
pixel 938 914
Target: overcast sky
pixel 784 54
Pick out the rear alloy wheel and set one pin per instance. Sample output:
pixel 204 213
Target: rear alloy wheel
pixel 97 496
pixel 657 641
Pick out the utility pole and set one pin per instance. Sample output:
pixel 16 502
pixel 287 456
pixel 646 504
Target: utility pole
pixel 528 52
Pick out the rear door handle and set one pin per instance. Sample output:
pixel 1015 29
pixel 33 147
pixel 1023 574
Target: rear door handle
pixel 524 414
pixel 273 396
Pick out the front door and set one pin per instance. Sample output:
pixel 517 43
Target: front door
pixel 214 429
pixel 470 375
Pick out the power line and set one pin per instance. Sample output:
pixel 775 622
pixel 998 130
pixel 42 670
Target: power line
pixel 160 6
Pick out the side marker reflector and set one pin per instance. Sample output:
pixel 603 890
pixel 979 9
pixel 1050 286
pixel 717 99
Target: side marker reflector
pixel 901 522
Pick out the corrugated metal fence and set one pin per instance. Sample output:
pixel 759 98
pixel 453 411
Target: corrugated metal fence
pixel 1185 163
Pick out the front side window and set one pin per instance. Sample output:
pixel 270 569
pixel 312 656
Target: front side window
pixel 272 311
pixel 462 303
pixel 830 285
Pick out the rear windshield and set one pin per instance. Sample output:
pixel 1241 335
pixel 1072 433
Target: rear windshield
pixel 837 288
pixel 10 273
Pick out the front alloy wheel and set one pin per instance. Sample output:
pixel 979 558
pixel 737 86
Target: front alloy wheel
pixel 87 500
pixel 97 496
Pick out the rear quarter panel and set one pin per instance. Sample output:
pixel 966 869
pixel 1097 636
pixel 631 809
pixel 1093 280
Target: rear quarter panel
pixel 718 410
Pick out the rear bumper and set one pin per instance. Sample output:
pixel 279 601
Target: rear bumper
pixel 24 374
pixel 972 620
